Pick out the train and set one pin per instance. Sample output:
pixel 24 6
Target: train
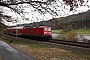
pixel 44 32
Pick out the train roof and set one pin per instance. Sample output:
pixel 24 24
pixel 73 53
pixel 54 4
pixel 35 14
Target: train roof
pixel 17 27
pixel 44 26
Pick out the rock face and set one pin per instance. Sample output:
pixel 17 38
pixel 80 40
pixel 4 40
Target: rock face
pixel 9 53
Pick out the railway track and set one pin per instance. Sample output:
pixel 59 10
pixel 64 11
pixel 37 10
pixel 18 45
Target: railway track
pixel 78 44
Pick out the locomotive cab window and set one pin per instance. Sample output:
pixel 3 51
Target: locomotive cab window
pixel 47 28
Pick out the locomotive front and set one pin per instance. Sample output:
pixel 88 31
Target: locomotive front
pixel 47 32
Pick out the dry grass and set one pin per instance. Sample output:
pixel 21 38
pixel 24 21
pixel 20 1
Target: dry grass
pixel 49 53
pixel 54 54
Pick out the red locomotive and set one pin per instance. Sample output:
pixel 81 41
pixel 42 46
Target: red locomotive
pixel 36 32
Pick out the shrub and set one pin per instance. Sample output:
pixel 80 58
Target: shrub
pixel 71 36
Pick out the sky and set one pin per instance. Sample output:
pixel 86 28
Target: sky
pixel 33 15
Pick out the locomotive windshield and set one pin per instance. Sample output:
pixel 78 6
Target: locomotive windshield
pixel 47 28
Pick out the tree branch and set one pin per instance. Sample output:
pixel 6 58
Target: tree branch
pixel 16 3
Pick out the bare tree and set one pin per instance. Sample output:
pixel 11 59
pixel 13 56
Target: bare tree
pixel 7 18
pixel 43 6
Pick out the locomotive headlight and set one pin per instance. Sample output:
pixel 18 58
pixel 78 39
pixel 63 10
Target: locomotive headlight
pixel 45 33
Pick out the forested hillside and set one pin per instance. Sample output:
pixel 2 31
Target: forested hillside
pixel 81 20
pixel 76 21
pixel 77 17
